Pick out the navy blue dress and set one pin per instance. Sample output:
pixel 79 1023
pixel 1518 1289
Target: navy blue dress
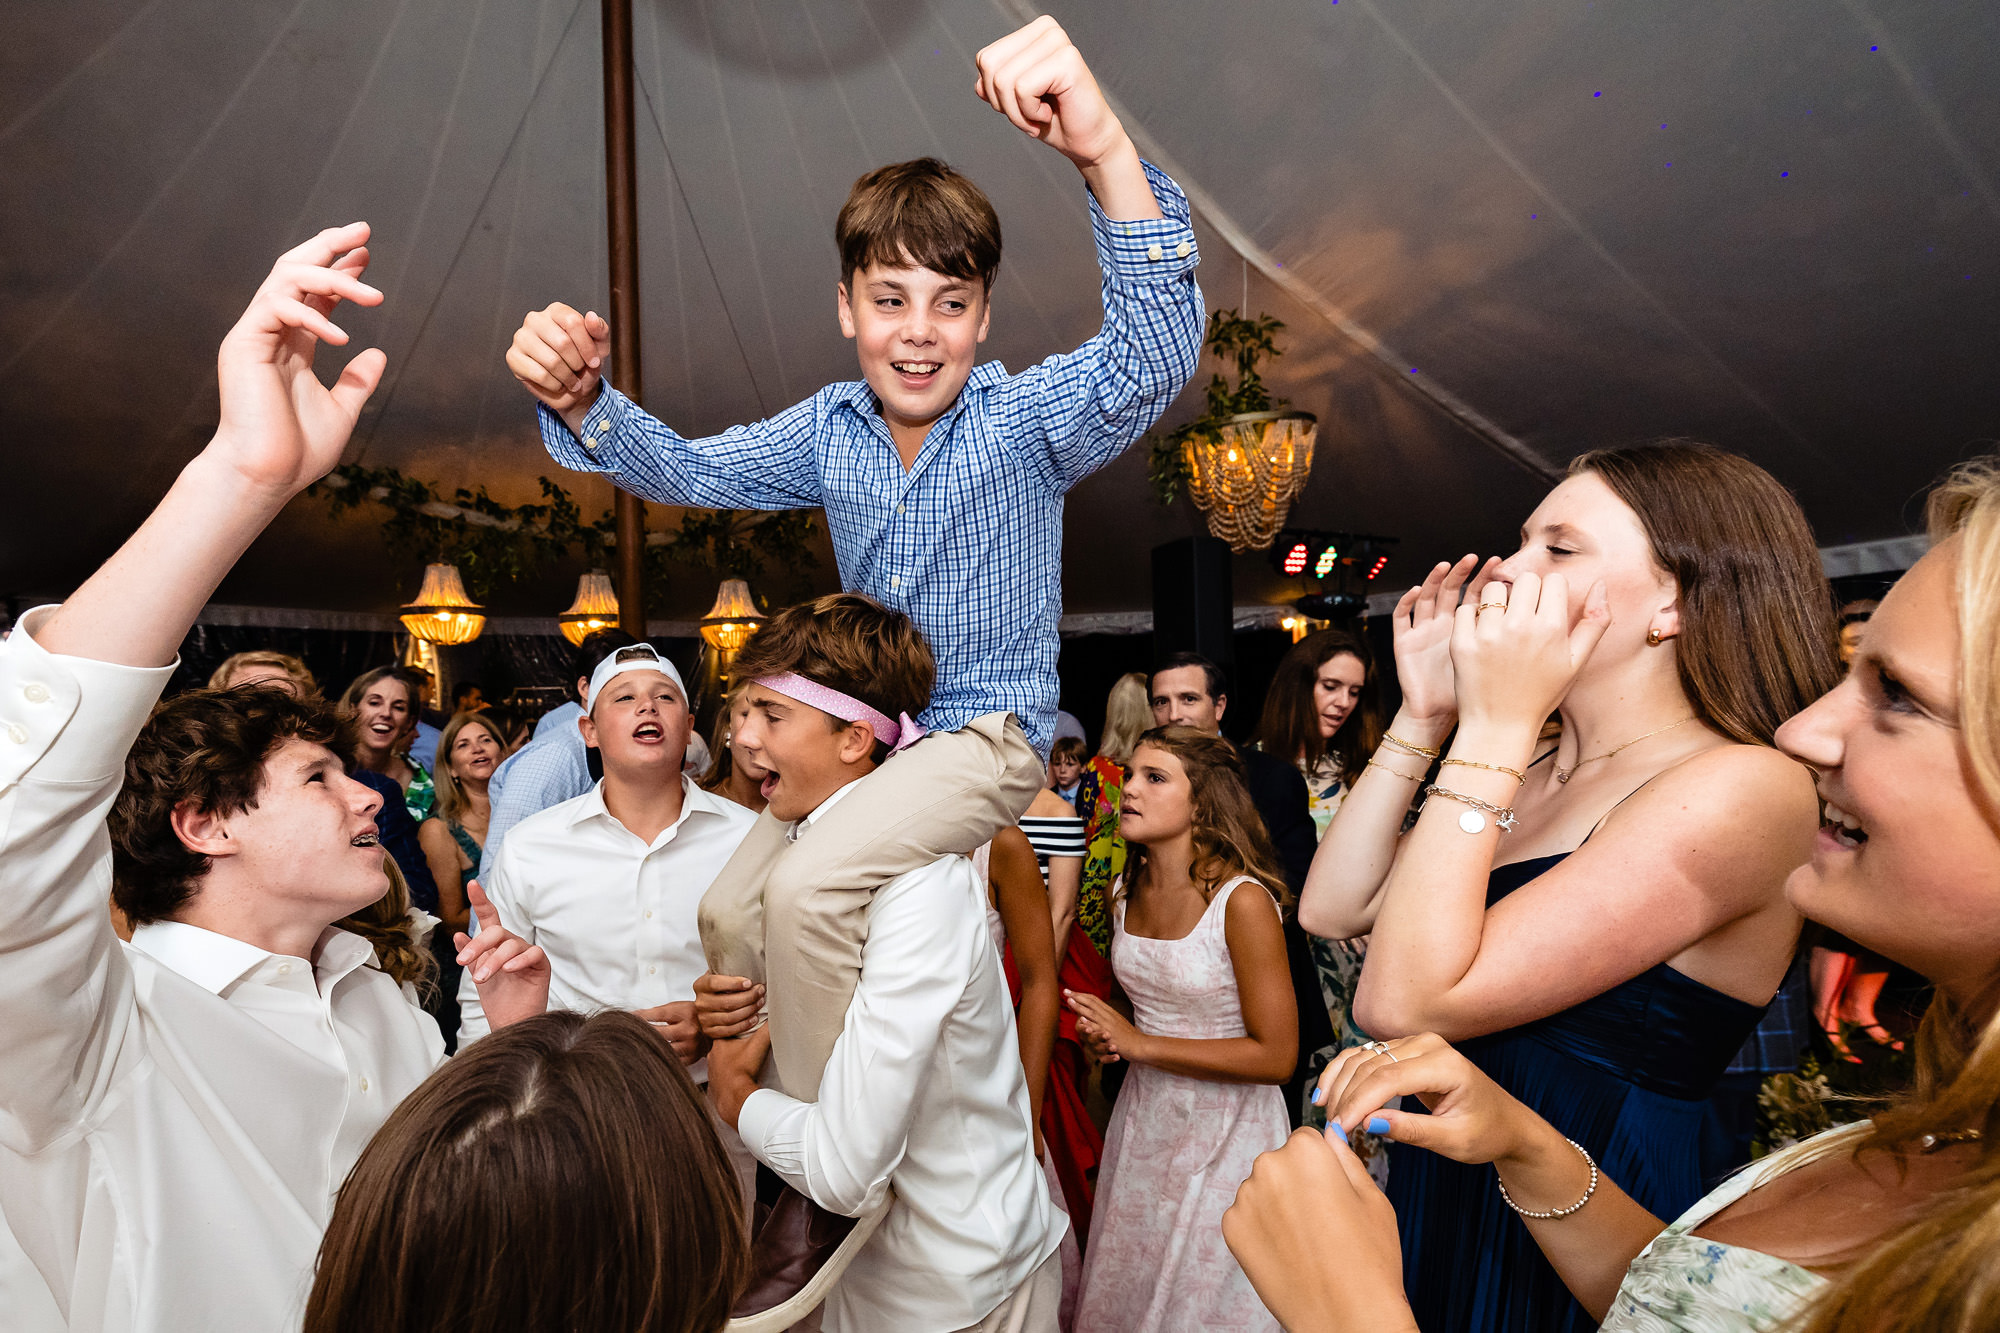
pixel 1627 1074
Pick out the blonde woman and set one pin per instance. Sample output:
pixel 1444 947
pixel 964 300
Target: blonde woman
pixel 1128 715
pixel 1878 1227
pixel 262 666
pixel 453 840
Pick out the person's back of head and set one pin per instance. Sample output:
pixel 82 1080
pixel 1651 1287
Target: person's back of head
pixel 1128 713
pixel 1756 641
pixel 594 649
pixel 919 214
pixel 560 1174
pixel 263 666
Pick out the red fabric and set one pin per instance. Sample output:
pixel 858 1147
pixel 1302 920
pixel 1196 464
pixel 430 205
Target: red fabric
pixel 1075 1144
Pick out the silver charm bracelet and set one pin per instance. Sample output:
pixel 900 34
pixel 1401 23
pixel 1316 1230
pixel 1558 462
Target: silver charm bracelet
pixel 1472 821
pixel 1588 1161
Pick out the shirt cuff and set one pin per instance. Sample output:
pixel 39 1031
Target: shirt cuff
pixel 600 426
pixel 1158 249
pixel 43 723
pixel 761 1126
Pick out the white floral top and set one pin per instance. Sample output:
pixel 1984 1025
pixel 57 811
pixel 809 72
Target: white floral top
pixel 1683 1283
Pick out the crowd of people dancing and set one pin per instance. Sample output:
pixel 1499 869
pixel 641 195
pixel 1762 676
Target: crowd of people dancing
pixel 894 1003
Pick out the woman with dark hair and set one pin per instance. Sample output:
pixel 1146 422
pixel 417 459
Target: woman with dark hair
pixel 1321 712
pixel 381 707
pixel 1598 918
pixel 1213 1032
pixel 563 1173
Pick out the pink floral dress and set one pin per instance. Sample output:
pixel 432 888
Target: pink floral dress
pixel 1177 1150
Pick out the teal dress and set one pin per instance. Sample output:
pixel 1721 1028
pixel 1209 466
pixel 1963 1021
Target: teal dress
pixel 444 1005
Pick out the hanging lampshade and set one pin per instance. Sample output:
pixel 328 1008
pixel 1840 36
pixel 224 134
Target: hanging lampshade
pixel 733 619
pixel 595 608
pixel 1246 477
pixel 442 612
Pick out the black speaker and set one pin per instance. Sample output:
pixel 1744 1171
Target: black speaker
pixel 1193 607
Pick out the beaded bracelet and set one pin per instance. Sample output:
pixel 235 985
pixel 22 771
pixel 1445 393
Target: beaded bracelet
pixel 1472 821
pixel 1513 773
pixel 1589 1161
pixel 1402 744
pixel 1407 777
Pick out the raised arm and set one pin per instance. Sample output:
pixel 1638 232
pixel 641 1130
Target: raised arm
pixel 80 679
pixel 1344 889
pixel 1705 845
pixel 1073 414
pixel 587 426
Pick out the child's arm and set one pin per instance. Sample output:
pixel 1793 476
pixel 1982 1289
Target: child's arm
pixel 1256 939
pixel 1024 914
pixel 1073 414
pixel 588 426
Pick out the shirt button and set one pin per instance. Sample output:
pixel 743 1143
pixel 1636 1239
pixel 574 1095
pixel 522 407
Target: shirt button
pixel 895 580
pixel 284 969
pixel 651 970
pixel 1183 250
pixel 364 1084
pixel 17 733
pixel 899 509
pixel 649 916
pixel 35 693
pixel 1155 253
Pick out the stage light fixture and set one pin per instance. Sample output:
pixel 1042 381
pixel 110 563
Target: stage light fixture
pixel 1296 555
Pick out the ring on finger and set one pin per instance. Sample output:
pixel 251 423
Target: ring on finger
pixel 1489 606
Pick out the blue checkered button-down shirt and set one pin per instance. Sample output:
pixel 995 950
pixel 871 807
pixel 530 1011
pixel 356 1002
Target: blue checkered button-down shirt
pixel 968 542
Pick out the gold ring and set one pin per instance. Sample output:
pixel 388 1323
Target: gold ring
pixel 1485 605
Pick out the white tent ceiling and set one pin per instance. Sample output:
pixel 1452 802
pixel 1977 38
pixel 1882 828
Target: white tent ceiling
pixel 1500 234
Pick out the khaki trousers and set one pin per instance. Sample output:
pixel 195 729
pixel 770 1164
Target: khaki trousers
pixel 793 915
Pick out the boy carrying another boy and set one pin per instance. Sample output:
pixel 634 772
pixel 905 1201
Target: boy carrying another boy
pixel 942 481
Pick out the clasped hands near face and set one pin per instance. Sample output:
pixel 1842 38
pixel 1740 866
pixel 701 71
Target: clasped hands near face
pixel 1316 1237
pixel 1505 655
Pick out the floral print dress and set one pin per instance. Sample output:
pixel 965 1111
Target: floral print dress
pixel 1683 1283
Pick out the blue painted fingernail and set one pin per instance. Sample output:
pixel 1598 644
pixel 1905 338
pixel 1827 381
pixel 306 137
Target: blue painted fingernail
pixel 1334 1131
pixel 1319 1095
pixel 1377 1125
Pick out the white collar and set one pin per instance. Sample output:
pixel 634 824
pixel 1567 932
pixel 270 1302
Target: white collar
pixel 215 962
pixel 839 794
pixel 694 800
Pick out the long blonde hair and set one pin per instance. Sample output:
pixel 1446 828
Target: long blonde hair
pixel 1127 714
pixel 1937 1270
pixel 385 924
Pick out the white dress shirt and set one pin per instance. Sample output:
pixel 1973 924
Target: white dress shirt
pixel 175 1113
pixel 924 1091
pixel 614 913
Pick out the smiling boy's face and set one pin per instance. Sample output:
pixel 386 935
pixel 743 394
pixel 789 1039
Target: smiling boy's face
pixel 917 333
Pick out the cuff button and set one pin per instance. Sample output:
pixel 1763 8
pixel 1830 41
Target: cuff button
pixel 1183 250
pixel 1155 253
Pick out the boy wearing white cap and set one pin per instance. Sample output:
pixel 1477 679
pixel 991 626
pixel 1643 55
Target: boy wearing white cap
pixel 608 883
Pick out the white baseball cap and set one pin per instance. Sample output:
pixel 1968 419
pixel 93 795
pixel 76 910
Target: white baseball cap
pixel 634 657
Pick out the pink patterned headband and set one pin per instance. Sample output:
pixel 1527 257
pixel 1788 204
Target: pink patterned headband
pixel 899 735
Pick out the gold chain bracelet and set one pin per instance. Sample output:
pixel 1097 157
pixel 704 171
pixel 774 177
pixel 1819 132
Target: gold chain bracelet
pixel 1407 777
pixel 1513 773
pixel 1402 744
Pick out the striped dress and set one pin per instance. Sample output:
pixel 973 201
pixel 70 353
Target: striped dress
pixel 1054 835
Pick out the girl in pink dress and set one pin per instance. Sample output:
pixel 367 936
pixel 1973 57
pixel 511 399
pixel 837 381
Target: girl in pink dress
pixel 1198 948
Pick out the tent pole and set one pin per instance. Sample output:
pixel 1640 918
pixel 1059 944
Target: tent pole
pixel 622 221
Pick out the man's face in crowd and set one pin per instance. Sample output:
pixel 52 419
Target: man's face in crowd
pixel 640 726
pixel 1181 699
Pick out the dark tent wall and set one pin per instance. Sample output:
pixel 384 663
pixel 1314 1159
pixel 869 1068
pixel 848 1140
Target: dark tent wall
pixel 1499 235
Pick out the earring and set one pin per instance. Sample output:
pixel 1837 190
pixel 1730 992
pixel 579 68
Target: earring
pixel 1654 637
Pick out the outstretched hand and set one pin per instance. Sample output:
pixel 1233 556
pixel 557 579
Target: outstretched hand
pixel 512 975
pixel 281 429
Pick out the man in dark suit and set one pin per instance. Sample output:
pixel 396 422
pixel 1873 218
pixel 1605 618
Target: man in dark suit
pixel 1188 690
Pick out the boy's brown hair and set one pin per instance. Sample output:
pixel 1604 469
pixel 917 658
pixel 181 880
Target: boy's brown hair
pixel 849 643
pixel 920 214
pixel 559 1174
pixel 206 750
pixel 1067 747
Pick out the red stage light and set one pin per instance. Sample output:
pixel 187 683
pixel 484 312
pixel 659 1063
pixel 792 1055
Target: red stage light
pixel 1295 559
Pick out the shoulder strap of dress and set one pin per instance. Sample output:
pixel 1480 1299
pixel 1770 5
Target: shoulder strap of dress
pixel 1614 809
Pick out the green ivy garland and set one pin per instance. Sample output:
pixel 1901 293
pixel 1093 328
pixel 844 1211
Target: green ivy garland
pixel 494 544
